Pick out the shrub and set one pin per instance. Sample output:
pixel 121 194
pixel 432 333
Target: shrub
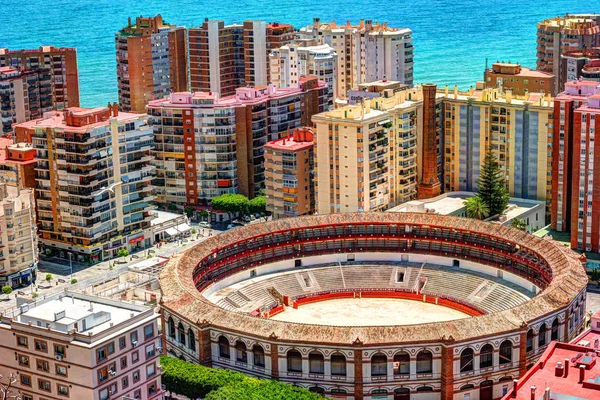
pixel 123 252
pixel 6 290
pixel 49 277
pixel 73 281
pixel 35 295
pixel 251 389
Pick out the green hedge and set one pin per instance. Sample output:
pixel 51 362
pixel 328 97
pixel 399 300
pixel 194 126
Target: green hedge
pixel 196 381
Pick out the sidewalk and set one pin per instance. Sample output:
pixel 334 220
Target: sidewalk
pixel 61 270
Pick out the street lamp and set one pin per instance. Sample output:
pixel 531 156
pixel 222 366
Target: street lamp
pixel 71 265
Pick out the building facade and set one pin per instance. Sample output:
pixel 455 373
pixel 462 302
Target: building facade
pixel 289 175
pixel 207 145
pixel 226 57
pixel 580 64
pixel 18 237
pixel 519 130
pixel 151 61
pixel 559 35
pixel 76 346
pixel 367 52
pixel 17 164
pixel 24 95
pixel 366 154
pixel 61 64
pixel 290 62
pixel 93 182
pixel 519 79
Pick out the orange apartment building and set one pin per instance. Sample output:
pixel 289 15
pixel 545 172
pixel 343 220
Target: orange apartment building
pixel 151 61
pixel 519 79
pixel 75 346
pixel 93 177
pixel 207 145
pixel 289 175
pixel 226 57
pixel 17 164
pixel 61 64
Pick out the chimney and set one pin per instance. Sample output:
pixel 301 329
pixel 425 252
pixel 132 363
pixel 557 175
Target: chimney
pixel 581 373
pixel 547 394
pixel 566 367
pixel 128 21
pixel 115 110
pixel 514 389
pixel 558 370
pixel 533 388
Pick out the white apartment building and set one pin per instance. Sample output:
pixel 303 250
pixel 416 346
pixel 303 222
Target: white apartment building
pixel 75 346
pixel 294 60
pixel 18 238
pixel 367 52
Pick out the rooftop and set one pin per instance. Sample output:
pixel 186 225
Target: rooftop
pixel 7 144
pixel 301 138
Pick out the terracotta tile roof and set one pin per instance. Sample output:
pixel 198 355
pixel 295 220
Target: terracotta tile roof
pixel 181 296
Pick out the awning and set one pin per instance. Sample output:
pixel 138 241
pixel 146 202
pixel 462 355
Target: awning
pixel 138 239
pixel 178 230
pixel 385 121
pixel 171 232
pixel 184 228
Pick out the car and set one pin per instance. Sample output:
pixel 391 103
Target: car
pixel 204 224
pixel 252 217
pixel 230 226
pixel 246 218
pixel 257 215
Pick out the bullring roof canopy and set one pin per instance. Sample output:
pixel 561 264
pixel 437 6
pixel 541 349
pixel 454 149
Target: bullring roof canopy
pixel 558 270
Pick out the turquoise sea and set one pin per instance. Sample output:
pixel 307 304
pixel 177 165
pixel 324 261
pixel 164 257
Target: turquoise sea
pixel 452 38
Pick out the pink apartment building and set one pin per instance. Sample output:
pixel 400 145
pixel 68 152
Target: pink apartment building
pixel 75 346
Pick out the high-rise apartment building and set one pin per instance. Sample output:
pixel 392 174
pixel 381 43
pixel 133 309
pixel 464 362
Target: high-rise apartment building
pixel 290 62
pixel 519 79
pixel 580 64
pixel 207 145
pixel 574 179
pixel 366 52
pixel 289 175
pixel 93 182
pixel 226 57
pixel 74 346
pixel 559 35
pixel 17 164
pixel 366 154
pixel 24 95
pixel 18 238
pixel 151 61
pixel 60 63
pixel 518 129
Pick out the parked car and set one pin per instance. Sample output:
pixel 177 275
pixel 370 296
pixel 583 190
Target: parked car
pixel 246 218
pixel 252 217
pixel 230 226
pixel 204 224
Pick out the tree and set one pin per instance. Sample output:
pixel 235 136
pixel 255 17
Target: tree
pixel 188 211
pixel 49 277
pixel 492 185
pixel 205 214
pixel 257 205
pixel 476 208
pixel 7 392
pixel 519 224
pixel 7 290
pixel 230 203
pixel 123 252
pixel 595 275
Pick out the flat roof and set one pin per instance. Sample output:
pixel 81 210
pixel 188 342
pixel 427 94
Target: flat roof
pixel 288 143
pixel 163 216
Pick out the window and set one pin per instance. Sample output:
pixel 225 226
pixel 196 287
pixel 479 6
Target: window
pixel 136 376
pixel 554 334
pixel 137 394
pixel 259 356
pixel 102 374
pixel 123 362
pixel 150 370
pixel 338 364
pixel 103 394
pixel 181 333
pixel 171 324
pixel 135 356
pixel 529 340
pixel 134 338
pixel 24 361
pixel 122 343
pixel 294 361
pixel 41 345
pixel 150 351
pixel 240 351
pixel 466 360
pixel 402 364
pixel 59 350
pixel 316 363
pixel 22 341
pixel 191 340
pixel 152 389
pixel 62 390
pixel 111 348
pixel 505 352
pixel 424 362
pixel 124 382
pixel 25 380
pixel 379 365
pixel 101 354
pixel 148 331
pixel 486 358
pixel 425 389
pixel 223 347
pixel 44 385
pixel 542 336
pixel 42 365
pixel 60 370
pixel 27 397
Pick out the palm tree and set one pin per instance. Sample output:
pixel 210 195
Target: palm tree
pixel 476 208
